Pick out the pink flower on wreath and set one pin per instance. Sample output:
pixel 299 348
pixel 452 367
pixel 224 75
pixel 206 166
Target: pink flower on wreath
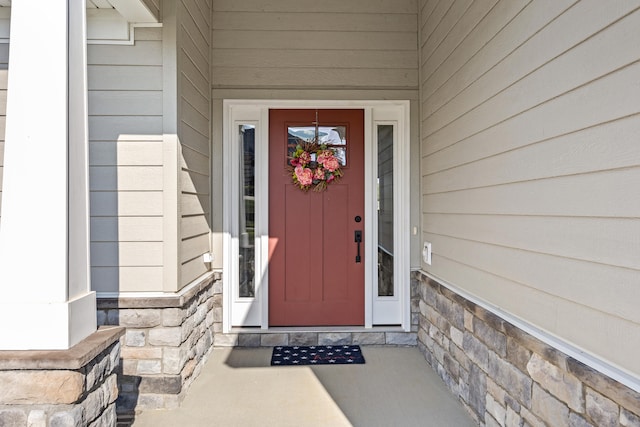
pixel 323 155
pixel 330 178
pixel 304 175
pixel 319 174
pixel 331 164
pixel 304 158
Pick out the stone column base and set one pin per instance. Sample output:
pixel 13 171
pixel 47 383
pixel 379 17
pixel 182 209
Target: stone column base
pixel 74 387
pixel 167 341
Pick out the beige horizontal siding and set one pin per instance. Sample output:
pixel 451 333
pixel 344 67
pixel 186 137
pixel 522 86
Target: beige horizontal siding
pixel 137 229
pixel 313 6
pixel 142 279
pixel 126 254
pixel 126 203
pixel 529 127
pixel 328 20
pixel 194 131
pixel 126 164
pixel 310 45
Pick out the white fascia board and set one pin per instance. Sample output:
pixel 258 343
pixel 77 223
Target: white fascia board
pixel 134 11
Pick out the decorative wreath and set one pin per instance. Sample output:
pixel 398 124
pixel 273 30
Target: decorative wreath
pixel 314 165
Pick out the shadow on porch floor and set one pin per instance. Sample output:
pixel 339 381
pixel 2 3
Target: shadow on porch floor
pixel 237 387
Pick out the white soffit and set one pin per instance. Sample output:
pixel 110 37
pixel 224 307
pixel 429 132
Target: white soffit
pixel 108 21
pixel 134 11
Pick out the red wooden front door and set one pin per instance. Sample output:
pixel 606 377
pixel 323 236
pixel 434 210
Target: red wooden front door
pixel 314 276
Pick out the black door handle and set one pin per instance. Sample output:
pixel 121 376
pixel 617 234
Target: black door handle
pixel 358 240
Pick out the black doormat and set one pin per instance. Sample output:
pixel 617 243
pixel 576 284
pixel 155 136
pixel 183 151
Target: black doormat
pixel 317 355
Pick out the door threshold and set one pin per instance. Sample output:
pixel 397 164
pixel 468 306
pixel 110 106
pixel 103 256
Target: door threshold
pixel 316 335
pixel 288 329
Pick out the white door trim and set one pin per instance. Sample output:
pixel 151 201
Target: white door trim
pixel 255 311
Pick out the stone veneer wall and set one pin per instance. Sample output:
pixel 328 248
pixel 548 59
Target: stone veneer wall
pixel 62 388
pixel 167 341
pixel 505 377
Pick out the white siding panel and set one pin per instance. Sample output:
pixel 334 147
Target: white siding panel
pixel 530 160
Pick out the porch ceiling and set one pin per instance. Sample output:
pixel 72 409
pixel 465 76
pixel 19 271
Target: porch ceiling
pixel 135 11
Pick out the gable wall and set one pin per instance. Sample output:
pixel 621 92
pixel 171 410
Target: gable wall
pixel 310 50
pixel 529 124
pixel 309 44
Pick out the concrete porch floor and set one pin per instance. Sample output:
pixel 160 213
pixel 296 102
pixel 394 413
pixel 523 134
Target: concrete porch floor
pixel 237 387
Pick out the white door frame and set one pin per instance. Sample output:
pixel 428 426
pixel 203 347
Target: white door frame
pixel 254 311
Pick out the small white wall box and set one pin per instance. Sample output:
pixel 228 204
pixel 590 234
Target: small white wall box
pixel 426 253
pixel 208 257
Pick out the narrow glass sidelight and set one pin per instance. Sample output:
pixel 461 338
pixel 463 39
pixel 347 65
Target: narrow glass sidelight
pixel 246 232
pixel 385 211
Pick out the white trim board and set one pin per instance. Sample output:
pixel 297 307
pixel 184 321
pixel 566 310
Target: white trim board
pixel 254 311
pixel 104 26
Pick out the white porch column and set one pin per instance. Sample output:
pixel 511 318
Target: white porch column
pixel 45 295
